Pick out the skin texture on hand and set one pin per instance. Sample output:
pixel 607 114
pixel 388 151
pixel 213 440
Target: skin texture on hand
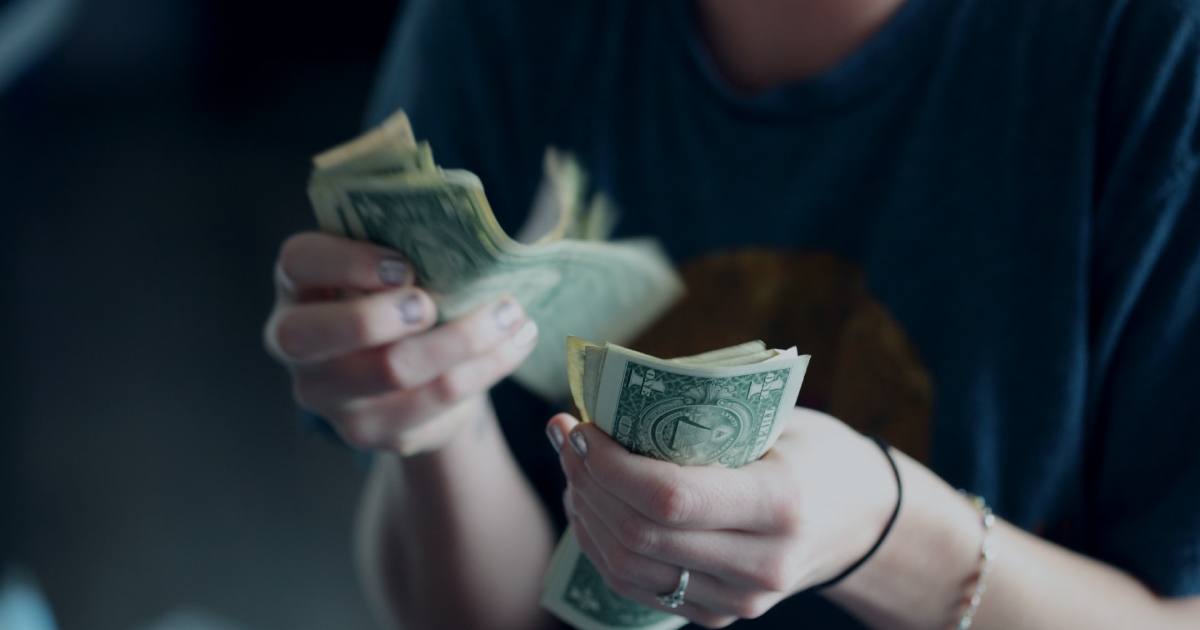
pixel 450 533
pixel 750 537
pixel 358 339
pixel 809 508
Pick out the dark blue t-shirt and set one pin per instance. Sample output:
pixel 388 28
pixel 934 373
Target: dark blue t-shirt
pixel 983 225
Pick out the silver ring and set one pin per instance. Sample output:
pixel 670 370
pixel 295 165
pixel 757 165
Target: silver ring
pixel 674 599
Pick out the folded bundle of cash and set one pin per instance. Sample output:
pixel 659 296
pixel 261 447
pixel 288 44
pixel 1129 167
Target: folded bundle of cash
pixel 723 408
pixel 384 187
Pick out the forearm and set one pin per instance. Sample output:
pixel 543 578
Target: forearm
pixel 456 538
pixel 1037 584
pixel 922 573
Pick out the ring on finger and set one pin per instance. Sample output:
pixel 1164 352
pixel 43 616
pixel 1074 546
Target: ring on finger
pixel 674 599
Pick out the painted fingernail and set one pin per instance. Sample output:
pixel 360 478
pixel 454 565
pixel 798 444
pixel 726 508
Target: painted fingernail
pixel 554 432
pixel 527 333
pixel 394 271
pixel 506 314
pixel 411 309
pixel 578 442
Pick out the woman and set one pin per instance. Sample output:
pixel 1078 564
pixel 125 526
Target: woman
pixel 979 217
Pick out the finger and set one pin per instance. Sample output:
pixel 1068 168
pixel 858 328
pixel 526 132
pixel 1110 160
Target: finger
pixel 312 261
pixel 729 555
pixel 695 612
pixel 413 361
pixel 695 497
pixel 558 428
pixel 651 576
pixel 306 333
pixel 374 422
pixel 419 359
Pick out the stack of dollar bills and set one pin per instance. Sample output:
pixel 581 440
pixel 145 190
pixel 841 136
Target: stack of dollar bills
pixel 723 408
pixel 384 187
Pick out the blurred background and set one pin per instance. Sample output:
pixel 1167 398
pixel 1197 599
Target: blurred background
pixel 153 155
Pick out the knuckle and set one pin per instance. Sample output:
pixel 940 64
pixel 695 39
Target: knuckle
pixel 355 429
pixel 396 368
pixel 637 536
pixel 751 607
pixel 470 336
pixel 576 474
pixel 450 387
pixel 359 324
pixel 712 620
pixel 672 504
pixel 786 513
pixel 776 575
pixel 624 589
pixel 622 566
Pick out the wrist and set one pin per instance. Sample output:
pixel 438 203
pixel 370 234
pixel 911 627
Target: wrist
pixel 917 576
pixel 468 446
pixel 886 529
pixel 867 495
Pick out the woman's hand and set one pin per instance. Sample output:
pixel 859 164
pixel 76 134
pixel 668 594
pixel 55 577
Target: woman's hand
pixel 813 505
pixel 356 336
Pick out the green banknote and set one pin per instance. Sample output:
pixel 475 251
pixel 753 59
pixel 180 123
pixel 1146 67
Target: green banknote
pixel 724 408
pixel 385 188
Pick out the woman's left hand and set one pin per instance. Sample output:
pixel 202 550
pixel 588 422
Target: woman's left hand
pixel 752 536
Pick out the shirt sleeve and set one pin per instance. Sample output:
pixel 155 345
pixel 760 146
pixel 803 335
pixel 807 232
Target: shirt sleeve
pixel 1143 474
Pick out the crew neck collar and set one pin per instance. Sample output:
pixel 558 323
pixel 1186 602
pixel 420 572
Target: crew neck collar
pixel 890 57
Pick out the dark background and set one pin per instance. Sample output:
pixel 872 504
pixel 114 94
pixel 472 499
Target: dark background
pixel 150 453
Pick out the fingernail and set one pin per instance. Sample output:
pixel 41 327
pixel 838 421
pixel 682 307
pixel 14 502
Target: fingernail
pixel 411 309
pixel 506 314
pixel 554 432
pixel 394 271
pixel 578 442
pixel 527 333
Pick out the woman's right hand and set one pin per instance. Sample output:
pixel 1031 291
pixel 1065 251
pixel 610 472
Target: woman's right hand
pixel 357 337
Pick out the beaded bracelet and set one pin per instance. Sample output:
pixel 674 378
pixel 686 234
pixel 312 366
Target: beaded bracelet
pixel 987 553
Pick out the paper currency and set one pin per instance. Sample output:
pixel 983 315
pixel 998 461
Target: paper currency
pixel 384 187
pixel 723 408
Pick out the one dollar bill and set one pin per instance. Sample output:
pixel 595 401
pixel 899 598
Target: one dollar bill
pixel 725 408
pixel 384 187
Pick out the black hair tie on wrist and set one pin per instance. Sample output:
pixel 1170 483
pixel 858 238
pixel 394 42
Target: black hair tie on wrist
pixel 886 530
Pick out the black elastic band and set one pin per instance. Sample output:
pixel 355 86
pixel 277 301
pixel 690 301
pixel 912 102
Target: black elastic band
pixel 886 530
